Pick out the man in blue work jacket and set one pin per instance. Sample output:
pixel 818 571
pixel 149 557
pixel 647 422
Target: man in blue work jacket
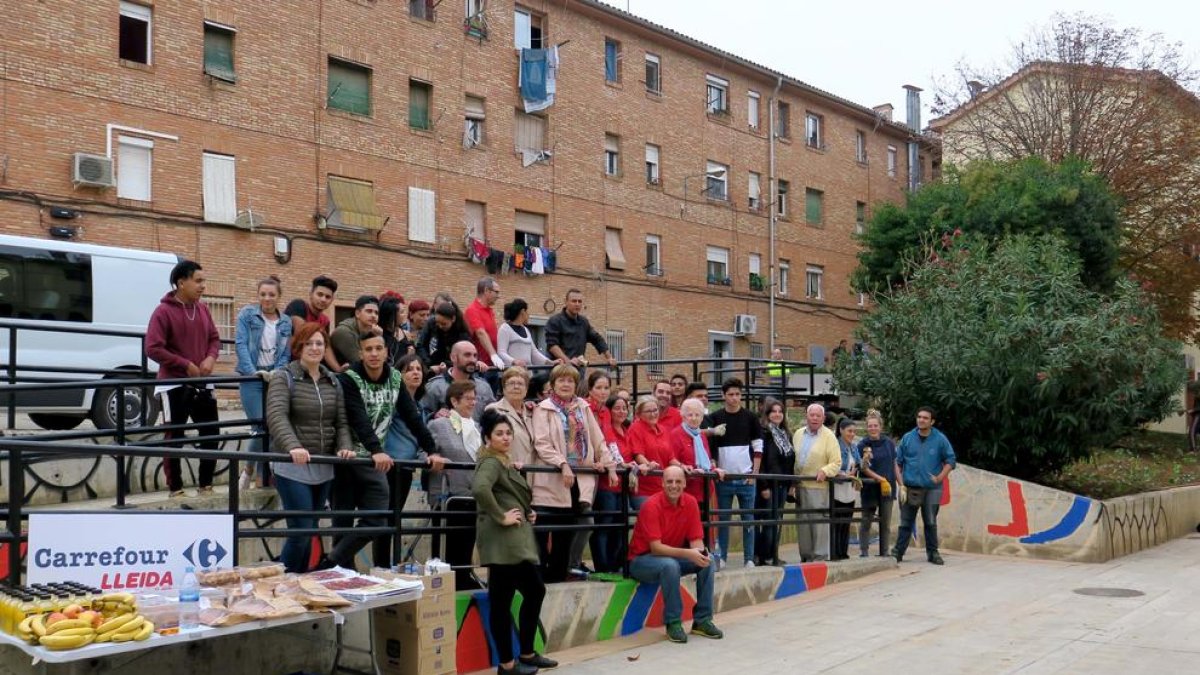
pixel 923 461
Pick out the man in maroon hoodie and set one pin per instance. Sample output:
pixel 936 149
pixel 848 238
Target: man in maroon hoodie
pixel 183 340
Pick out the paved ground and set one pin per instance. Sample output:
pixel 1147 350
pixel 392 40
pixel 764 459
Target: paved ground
pixel 978 614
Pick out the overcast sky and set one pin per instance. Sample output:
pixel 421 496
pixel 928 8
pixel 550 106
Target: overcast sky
pixel 866 51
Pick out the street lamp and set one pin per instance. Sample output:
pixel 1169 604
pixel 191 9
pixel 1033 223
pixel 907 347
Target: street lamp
pixel 717 173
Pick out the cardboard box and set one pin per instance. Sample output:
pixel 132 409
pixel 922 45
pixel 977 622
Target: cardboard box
pixel 395 656
pixel 437 602
pixel 402 648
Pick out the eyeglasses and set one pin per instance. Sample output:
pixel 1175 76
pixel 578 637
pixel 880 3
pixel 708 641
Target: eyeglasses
pixel 515 384
pixel 319 344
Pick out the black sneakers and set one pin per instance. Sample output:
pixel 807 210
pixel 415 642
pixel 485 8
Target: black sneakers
pixel 538 661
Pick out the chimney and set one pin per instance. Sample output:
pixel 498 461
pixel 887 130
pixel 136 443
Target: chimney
pixel 913 107
pixel 884 110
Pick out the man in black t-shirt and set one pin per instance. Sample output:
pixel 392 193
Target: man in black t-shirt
pixel 313 310
pixel 738 451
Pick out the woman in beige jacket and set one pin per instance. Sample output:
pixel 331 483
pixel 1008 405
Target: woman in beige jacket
pixel 565 436
pixel 514 385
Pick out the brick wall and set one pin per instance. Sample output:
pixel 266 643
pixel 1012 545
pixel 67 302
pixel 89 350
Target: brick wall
pixel 57 101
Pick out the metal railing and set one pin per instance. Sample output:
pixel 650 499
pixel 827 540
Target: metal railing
pixel 20 453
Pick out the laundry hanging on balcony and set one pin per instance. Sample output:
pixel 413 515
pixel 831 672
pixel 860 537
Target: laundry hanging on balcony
pixel 537 78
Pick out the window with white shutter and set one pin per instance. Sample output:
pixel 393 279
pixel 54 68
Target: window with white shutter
pixel 134 167
pixel 220 188
pixel 421 215
pixel 476 217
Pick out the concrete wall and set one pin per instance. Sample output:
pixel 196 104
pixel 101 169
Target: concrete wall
pixel 985 512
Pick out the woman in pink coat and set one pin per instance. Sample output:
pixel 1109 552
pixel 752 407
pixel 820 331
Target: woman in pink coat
pixel 566 436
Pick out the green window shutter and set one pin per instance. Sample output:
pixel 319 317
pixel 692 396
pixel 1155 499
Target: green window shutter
pixel 812 206
pixel 349 88
pixel 418 105
pixel 218 53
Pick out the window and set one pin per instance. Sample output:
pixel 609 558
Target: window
pixel 754 189
pixel 653 74
pixel 134 167
pixel 654 255
pixel 781 198
pixel 718 265
pixel 135 36
pixel 531 132
pixel 614 254
pixel 349 87
pixel 860 147
pixel 352 205
pixel 224 316
pixel 612 154
pixel 473 114
pixel 756 278
pixel 785 275
pixel 530 228
pixel 220 188
pixel 218 52
pixel 475 23
pixel 476 220
pixel 860 217
pixel 46 285
pixel 716 181
pixel 718 96
pixel 812 206
pixel 419 96
pixel 422 215
pixel 752 115
pixel 812 131
pixel 783 121
pixel 529 30
pixel 862 299
pixel 616 343
pixel 891 161
pixel 652 168
pixel 813 278
pixel 612 60
pixel 656 350
pixel 422 9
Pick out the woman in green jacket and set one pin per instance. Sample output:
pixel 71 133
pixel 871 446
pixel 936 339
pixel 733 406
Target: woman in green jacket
pixel 507 547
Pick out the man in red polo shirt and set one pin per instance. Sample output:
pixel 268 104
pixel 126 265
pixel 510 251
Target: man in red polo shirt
pixel 668 542
pixel 481 321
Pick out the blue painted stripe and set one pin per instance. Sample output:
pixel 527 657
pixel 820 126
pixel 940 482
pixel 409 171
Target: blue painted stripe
pixel 792 582
pixel 1065 527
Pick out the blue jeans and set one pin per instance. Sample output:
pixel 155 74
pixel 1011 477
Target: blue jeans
pixel 666 572
pixel 297 496
pixel 908 520
pixel 726 491
pixel 608 545
pixel 252 406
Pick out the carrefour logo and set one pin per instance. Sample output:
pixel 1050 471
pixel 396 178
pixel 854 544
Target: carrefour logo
pixel 205 553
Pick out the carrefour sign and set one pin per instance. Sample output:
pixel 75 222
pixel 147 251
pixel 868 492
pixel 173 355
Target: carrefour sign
pixel 126 550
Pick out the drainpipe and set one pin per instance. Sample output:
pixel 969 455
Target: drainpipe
pixel 773 185
pixel 913 105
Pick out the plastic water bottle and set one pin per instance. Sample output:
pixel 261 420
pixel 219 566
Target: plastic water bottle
pixel 189 600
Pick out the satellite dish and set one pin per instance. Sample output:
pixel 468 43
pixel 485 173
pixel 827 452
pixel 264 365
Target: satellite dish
pixel 248 220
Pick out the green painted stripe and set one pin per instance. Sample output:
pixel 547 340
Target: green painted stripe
pixel 462 602
pixel 618 602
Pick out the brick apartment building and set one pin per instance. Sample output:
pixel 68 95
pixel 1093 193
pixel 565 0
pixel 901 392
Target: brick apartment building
pixel 368 138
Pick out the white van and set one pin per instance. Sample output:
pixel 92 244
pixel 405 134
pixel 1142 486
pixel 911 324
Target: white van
pixel 66 286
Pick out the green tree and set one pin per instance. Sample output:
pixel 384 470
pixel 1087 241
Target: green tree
pixel 1027 369
pixel 994 200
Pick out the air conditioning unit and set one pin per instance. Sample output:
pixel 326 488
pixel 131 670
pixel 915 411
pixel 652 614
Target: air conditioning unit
pixel 745 324
pixel 92 170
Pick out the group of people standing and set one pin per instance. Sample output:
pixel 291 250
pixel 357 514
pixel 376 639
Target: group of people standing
pixel 457 394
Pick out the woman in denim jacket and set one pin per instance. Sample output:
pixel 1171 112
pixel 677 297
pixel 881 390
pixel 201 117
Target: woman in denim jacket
pixel 262 339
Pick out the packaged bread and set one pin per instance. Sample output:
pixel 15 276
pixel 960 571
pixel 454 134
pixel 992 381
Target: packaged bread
pixel 218 577
pixel 260 570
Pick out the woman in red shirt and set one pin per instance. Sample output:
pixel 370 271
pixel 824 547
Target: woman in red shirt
pixel 597 398
pixel 651 447
pixel 608 545
pixel 689 447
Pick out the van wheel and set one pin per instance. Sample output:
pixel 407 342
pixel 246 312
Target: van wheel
pixel 56 422
pixel 106 406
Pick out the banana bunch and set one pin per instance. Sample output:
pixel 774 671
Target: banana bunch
pixel 63 633
pixel 115 604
